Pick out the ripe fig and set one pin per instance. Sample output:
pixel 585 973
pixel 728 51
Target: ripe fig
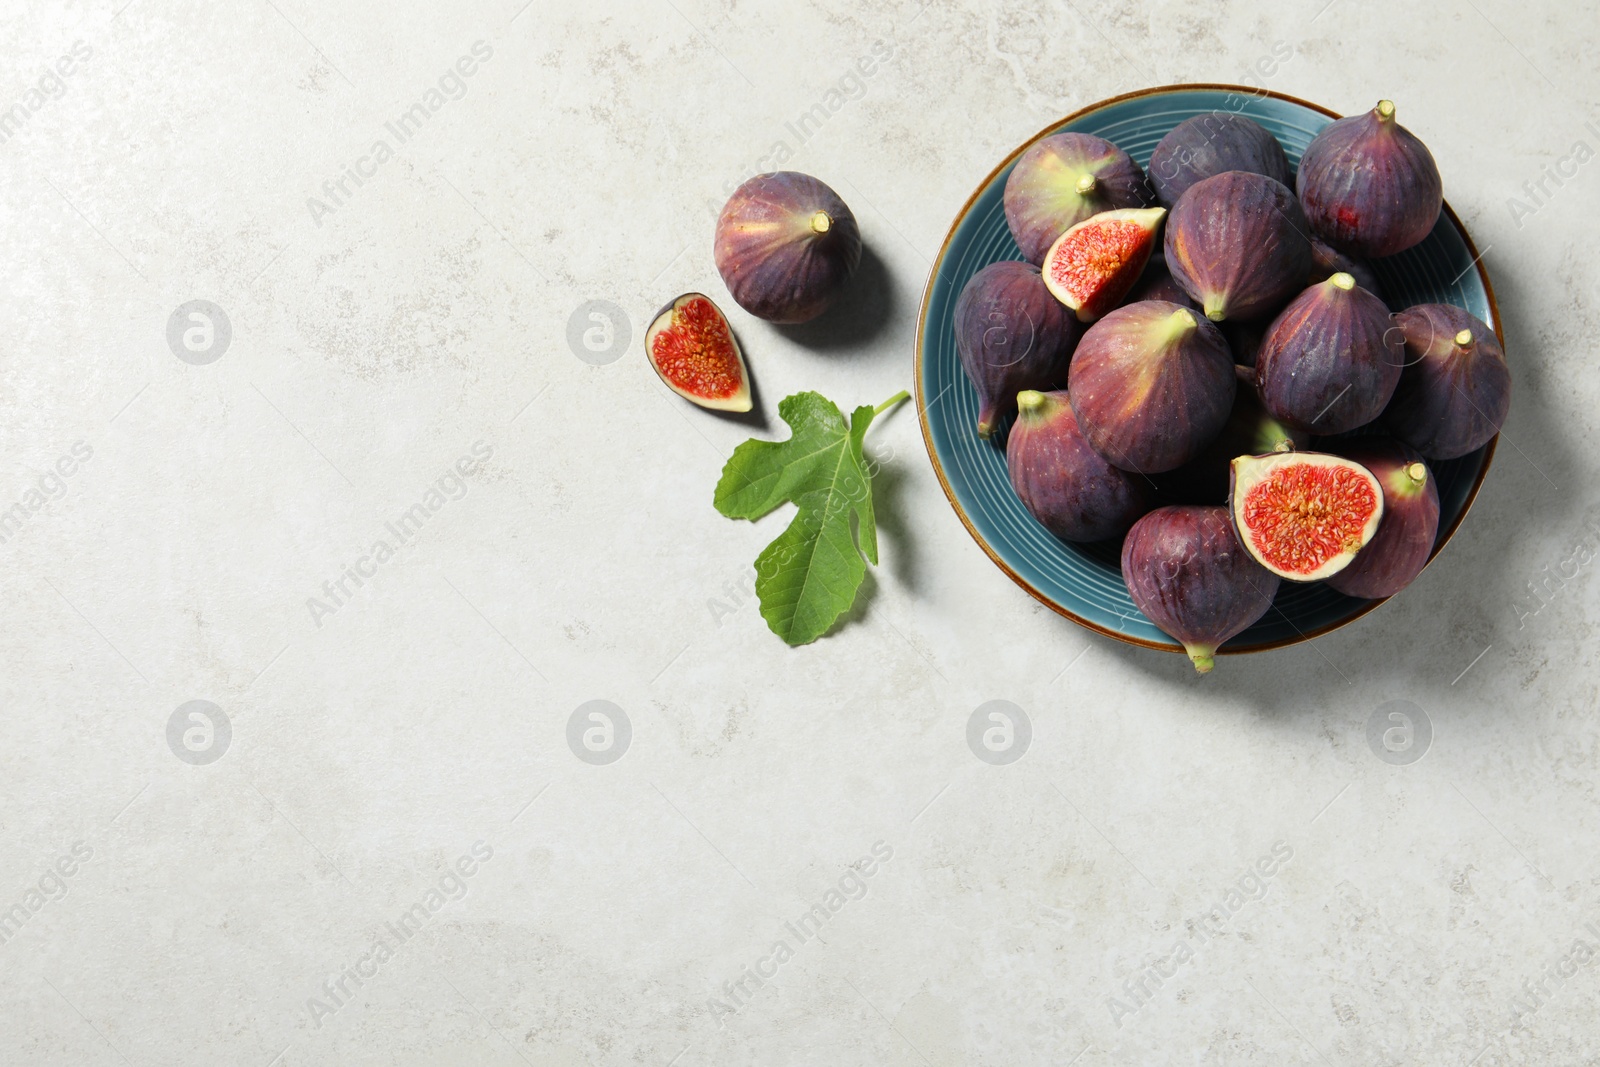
pixel 1368 186
pixel 1400 549
pixel 1151 383
pixel 1455 391
pixel 1238 243
pixel 692 348
pixel 1186 570
pixel 1329 361
pixel 1064 179
pixel 1250 430
pixel 1091 267
pixel 1326 261
pixel 1066 484
pixel 1207 145
pixel 1012 335
pixel 786 246
pixel 1156 284
pixel 1304 515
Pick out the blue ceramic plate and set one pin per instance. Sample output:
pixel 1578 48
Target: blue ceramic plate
pixel 1083 582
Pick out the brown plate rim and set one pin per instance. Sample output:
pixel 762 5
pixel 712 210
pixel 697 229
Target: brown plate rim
pixel 938 468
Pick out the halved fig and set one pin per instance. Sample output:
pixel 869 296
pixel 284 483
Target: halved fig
pixel 1304 515
pixel 692 347
pixel 1091 267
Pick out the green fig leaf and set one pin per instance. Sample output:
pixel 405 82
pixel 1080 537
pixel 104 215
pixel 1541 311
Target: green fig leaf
pixel 809 575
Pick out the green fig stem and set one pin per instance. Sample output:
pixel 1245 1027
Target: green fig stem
pixel 1464 338
pixel 1343 281
pixel 1418 473
pixel 1030 401
pixel 891 402
pixel 1204 658
pixel 1214 313
pixel 1087 185
pixel 821 222
pixel 1385 110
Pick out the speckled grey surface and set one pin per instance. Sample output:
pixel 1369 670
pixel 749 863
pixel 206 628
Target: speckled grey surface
pixel 291 889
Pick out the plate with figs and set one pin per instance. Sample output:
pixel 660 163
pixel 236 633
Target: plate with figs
pixel 1210 369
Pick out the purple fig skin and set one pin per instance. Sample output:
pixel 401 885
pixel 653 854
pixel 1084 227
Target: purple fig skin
pixel 1012 335
pixel 1212 144
pixel 1156 284
pixel 1244 339
pixel 1455 392
pixel 1062 481
pixel 1326 261
pixel 1238 244
pixel 1152 383
pixel 786 246
pixel 1063 180
pixel 1329 362
pixel 1368 186
pixel 1250 431
pixel 1404 541
pixel 1187 571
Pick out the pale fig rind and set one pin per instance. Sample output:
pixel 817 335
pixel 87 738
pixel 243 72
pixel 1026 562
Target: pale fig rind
pixel 1304 515
pixel 1093 265
pixel 1238 244
pixel 1061 480
pixel 1214 143
pixel 1410 525
pixel 1330 361
pixel 1062 180
pixel 1011 335
pixel 786 246
pixel 1455 391
pixel 1185 569
pixel 693 351
pixel 1369 186
pixel 1152 383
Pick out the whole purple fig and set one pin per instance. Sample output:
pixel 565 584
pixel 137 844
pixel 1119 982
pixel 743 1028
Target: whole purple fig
pixel 1064 179
pixel 1066 484
pixel 1151 383
pixel 1211 144
pixel 1238 243
pixel 786 246
pixel 1012 335
pixel 1329 362
pixel 1401 547
pixel 1326 261
pixel 1456 389
pixel 1368 186
pixel 1186 570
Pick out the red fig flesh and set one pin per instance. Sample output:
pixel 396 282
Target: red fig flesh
pixel 1400 549
pixel 1304 515
pixel 1455 391
pixel 1064 179
pixel 1066 484
pixel 1368 186
pixel 1238 243
pixel 1211 144
pixel 1151 384
pixel 1330 361
pixel 1012 335
pixel 693 349
pixel 1091 267
pixel 786 246
pixel 1186 571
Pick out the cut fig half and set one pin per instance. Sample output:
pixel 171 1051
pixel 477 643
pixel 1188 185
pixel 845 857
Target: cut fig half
pixel 1304 515
pixel 1092 266
pixel 692 347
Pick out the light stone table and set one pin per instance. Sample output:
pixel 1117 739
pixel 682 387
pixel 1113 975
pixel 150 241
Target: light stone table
pixel 290 281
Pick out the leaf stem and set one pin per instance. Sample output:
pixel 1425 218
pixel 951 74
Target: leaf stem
pixel 891 402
